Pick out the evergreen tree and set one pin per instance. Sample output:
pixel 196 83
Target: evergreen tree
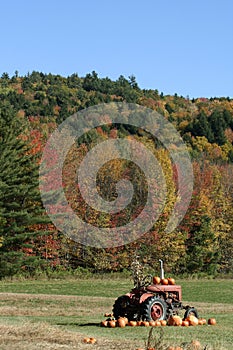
pixel 218 126
pixel 201 248
pixel 20 206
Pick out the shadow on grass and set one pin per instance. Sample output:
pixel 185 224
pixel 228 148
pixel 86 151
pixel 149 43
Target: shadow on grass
pixel 93 324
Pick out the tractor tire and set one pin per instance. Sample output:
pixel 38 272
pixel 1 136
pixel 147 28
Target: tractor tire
pixel 154 308
pixel 120 307
pixel 191 311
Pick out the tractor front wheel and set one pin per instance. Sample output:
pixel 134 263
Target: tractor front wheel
pixel 190 311
pixel 154 308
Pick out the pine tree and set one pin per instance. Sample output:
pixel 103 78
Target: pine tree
pixel 20 205
pixel 201 248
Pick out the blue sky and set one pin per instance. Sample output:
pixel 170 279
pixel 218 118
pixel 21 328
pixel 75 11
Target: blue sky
pixel 183 47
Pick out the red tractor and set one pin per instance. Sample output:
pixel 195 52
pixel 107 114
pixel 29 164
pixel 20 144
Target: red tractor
pixel 148 301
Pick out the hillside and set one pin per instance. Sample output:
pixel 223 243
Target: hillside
pixel 202 243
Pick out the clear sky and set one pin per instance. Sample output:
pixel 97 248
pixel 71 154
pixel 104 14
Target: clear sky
pixel 175 46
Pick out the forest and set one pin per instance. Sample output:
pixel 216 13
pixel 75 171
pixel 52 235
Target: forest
pixel 31 108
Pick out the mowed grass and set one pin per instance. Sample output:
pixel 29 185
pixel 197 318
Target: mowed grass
pixel 41 314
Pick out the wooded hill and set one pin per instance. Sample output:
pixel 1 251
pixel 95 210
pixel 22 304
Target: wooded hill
pixel 202 243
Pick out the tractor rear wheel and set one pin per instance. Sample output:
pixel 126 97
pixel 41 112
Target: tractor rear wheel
pixel 120 307
pixel 154 308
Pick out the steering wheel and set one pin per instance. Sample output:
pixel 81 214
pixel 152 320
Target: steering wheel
pixel 146 281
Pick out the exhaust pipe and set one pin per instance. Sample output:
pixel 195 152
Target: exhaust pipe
pixel 161 269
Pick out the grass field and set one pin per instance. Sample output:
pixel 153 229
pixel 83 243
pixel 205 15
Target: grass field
pixel 41 314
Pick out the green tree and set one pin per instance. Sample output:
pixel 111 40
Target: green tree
pixel 201 247
pixel 20 206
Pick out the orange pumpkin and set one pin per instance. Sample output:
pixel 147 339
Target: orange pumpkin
pixel 163 322
pixel 185 323
pixel 145 324
pixel 171 281
pixel 203 320
pixel 156 280
pixel 212 321
pixel 92 341
pixel 112 323
pixel 193 320
pixel 196 345
pixel 132 323
pixel 175 321
pixel 86 340
pixel 104 323
pixel 152 323
pixel 164 281
pixel 121 322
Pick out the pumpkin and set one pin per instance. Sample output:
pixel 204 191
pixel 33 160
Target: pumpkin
pixel 132 323
pixel 92 341
pixel 145 324
pixel 121 322
pixel 212 321
pixel 185 323
pixel 175 321
pixel 157 323
pixel 203 320
pixel 156 280
pixel 193 320
pixel 86 340
pixel 164 281
pixel 112 323
pixel 163 322
pixel 152 323
pixel 195 344
pixel 171 281
pixel 139 323
pixel 104 323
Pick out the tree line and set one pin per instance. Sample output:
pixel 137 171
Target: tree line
pixel 32 106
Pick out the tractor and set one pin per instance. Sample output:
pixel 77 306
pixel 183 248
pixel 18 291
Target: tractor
pixel 148 301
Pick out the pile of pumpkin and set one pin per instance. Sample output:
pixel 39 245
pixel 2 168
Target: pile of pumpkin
pixel 175 320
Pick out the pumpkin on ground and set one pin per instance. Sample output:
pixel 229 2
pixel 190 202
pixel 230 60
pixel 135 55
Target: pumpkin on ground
pixel 196 345
pixel 212 321
pixel 174 321
pixel 112 323
pixel 104 323
pixel 193 320
pixel 121 322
